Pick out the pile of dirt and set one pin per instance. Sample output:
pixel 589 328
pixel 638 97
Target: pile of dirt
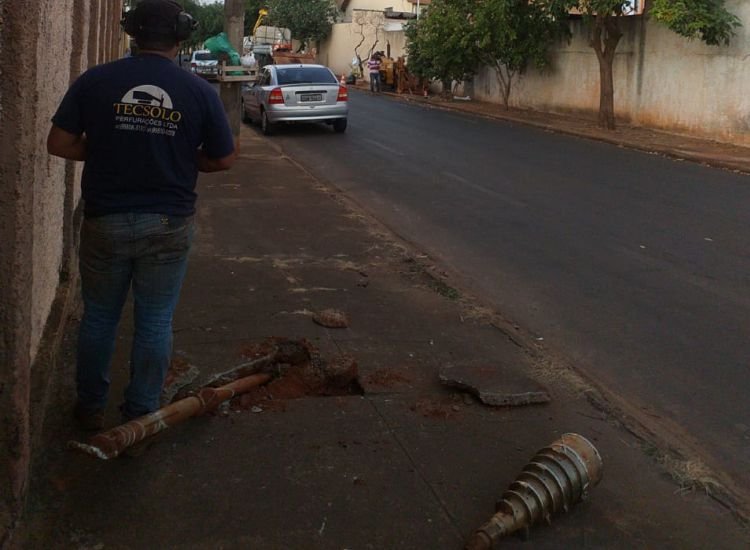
pixel 180 374
pixel 287 350
pixel 259 349
pixel 178 368
pixel 315 377
pixel 298 371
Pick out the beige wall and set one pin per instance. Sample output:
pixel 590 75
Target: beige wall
pixel 39 195
pixel 337 51
pixel 661 79
pixel 48 172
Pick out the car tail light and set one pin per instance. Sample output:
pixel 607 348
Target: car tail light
pixel 276 97
pixel 343 94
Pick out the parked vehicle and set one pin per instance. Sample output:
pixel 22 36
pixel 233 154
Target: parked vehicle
pixel 296 93
pixel 205 64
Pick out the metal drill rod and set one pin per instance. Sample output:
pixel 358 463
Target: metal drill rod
pixel 557 477
pixel 111 443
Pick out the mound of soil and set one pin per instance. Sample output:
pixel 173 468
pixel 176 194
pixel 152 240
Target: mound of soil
pixel 312 378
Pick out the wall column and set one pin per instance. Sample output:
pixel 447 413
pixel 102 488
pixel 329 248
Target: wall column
pixel 19 35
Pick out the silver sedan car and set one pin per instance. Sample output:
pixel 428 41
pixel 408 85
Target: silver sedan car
pixel 295 93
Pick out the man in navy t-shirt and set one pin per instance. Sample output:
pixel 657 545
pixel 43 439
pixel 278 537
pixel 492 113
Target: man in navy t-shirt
pixel 144 128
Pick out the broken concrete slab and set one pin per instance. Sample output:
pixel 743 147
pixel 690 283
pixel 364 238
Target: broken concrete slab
pixel 493 385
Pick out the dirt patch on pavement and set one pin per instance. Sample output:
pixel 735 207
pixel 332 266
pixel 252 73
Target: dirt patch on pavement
pixel 259 349
pixel 438 410
pixel 387 378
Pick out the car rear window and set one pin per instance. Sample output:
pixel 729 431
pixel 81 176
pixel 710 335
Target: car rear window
pixel 302 75
pixel 205 57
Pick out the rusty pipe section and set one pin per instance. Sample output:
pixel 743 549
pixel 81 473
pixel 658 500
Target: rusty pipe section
pixel 110 444
pixel 557 477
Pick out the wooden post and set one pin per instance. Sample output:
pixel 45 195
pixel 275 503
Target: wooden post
pixel 234 26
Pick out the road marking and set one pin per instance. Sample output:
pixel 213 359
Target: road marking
pixel 491 192
pixel 455 177
pixel 383 147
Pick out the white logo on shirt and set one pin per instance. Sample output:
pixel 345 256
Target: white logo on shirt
pixel 147 109
pixel 148 94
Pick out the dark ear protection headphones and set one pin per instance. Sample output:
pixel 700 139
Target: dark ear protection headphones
pixel 183 26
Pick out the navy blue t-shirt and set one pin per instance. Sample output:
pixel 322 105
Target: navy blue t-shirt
pixel 144 119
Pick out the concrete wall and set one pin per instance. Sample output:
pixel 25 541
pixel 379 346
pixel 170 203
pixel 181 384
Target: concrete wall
pixel 48 174
pixel 337 51
pixel 661 80
pixel 44 45
pixel 364 19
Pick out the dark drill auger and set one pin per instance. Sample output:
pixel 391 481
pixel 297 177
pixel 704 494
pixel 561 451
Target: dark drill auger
pixel 556 478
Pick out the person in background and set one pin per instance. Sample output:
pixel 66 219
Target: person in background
pixel 144 128
pixel 373 66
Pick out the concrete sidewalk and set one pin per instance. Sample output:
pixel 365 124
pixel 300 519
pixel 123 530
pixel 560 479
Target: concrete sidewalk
pixel 407 464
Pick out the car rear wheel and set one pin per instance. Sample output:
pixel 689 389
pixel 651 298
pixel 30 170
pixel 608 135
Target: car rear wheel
pixel 266 125
pixel 339 125
pixel 246 118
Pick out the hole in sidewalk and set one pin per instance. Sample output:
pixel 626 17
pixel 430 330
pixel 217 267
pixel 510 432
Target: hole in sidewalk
pixel 312 377
pixel 338 378
pixel 297 368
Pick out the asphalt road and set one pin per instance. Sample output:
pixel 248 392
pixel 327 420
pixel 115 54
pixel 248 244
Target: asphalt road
pixel 634 267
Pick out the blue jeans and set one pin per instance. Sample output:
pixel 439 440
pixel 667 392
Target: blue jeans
pixel 148 252
pixel 374 82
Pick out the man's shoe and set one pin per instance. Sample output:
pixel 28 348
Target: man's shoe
pixel 91 420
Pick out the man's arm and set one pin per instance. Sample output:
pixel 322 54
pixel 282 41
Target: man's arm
pixel 66 145
pixel 207 164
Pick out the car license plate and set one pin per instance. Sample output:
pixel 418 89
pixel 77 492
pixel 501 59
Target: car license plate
pixel 311 97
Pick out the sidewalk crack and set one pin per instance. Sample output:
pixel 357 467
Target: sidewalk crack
pixel 435 495
pixel 409 457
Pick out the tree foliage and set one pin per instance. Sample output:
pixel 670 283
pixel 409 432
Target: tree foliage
pixel 513 34
pixel 455 36
pixel 309 20
pixel 441 44
pixel 707 20
pixel 210 19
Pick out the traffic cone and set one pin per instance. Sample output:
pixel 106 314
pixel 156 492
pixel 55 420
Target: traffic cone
pixel 343 80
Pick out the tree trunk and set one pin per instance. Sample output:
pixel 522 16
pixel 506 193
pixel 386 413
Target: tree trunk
pixel 446 91
pixel 508 84
pixel 606 35
pixel 504 81
pixel 356 52
pixel 606 94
